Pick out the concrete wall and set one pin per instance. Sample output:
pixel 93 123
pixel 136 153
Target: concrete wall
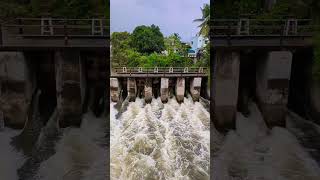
pixel 226 79
pixel 17 85
pixel 164 89
pixel 195 88
pixel 114 89
pixel 68 86
pixel 273 76
pixel 315 100
pixel 146 85
pixel 132 89
pixel 180 89
pixel 148 90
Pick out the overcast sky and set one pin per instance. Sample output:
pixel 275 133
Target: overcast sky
pixel 172 16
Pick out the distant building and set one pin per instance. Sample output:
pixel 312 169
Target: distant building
pixel 197 43
pixel 192 53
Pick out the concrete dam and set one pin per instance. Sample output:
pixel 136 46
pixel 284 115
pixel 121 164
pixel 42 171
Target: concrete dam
pixel 64 59
pixel 158 82
pixel 265 61
pixel 53 81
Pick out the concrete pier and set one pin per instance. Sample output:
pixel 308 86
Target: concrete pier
pixel 114 89
pixel 148 90
pixel 180 89
pixel 226 88
pixel 272 80
pixel 164 89
pixel 17 85
pixel 315 100
pixel 132 89
pixel 68 86
pixel 195 88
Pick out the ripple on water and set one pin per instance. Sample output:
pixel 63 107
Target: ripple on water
pixel 161 141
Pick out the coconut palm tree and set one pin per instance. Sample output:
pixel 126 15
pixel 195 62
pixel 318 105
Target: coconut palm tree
pixel 205 20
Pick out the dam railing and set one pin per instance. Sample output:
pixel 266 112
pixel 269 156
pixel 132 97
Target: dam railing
pixel 44 33
pixel 262 33
pixel 55 27
pixel 262 27
pixel 160 72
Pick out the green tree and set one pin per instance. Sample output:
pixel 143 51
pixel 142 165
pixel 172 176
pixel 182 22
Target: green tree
pixel 205 20
pixel 147 39
pixel 173 44
pixel 119 50
pixel 55 8
pixel 9 9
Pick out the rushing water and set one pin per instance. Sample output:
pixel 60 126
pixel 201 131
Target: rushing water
pixel 254 152
pixel 10 159
pixel 169 141
pixel 160 141
pixel 79 154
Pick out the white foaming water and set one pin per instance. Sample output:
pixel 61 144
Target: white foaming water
pixel 10 159
pixel 78 153
pixel 253 152
pixel 160 141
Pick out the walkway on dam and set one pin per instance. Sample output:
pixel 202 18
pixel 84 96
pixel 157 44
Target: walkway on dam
pixel 50 33
pixel 258 33
pixel 159 72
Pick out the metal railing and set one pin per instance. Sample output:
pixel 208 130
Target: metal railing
pixel 160 70
pixel 52 27
pixel 262 27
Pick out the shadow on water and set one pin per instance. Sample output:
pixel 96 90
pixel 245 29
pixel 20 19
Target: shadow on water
pixel 27 139
pixel 45 147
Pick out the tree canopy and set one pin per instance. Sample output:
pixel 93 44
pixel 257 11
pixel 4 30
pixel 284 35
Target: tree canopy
pixel 205 20
pixel 124 52
pixel 257 8
pixel 56 8
pixel 173 44
pixel 147 39
pixel 120 45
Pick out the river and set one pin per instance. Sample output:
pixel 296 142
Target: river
pixel 79 154
pixel 171 142
pixel 160 141
pixel 254 152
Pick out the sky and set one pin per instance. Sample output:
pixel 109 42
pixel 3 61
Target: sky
pixel 172 16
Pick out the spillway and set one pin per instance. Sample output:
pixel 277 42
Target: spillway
pixel 160 141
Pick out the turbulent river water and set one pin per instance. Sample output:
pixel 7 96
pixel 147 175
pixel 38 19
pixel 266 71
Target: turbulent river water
pixel 254 152
pixel 80 153
pixel 170 141
pixel 160 141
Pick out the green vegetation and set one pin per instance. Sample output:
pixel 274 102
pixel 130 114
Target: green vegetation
pixel 257 9
pixel 144 47
pixel 204 31
pixel 56 8
pixel 173 44
pixel 147 47
pixel 147 39
pixel 205 20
